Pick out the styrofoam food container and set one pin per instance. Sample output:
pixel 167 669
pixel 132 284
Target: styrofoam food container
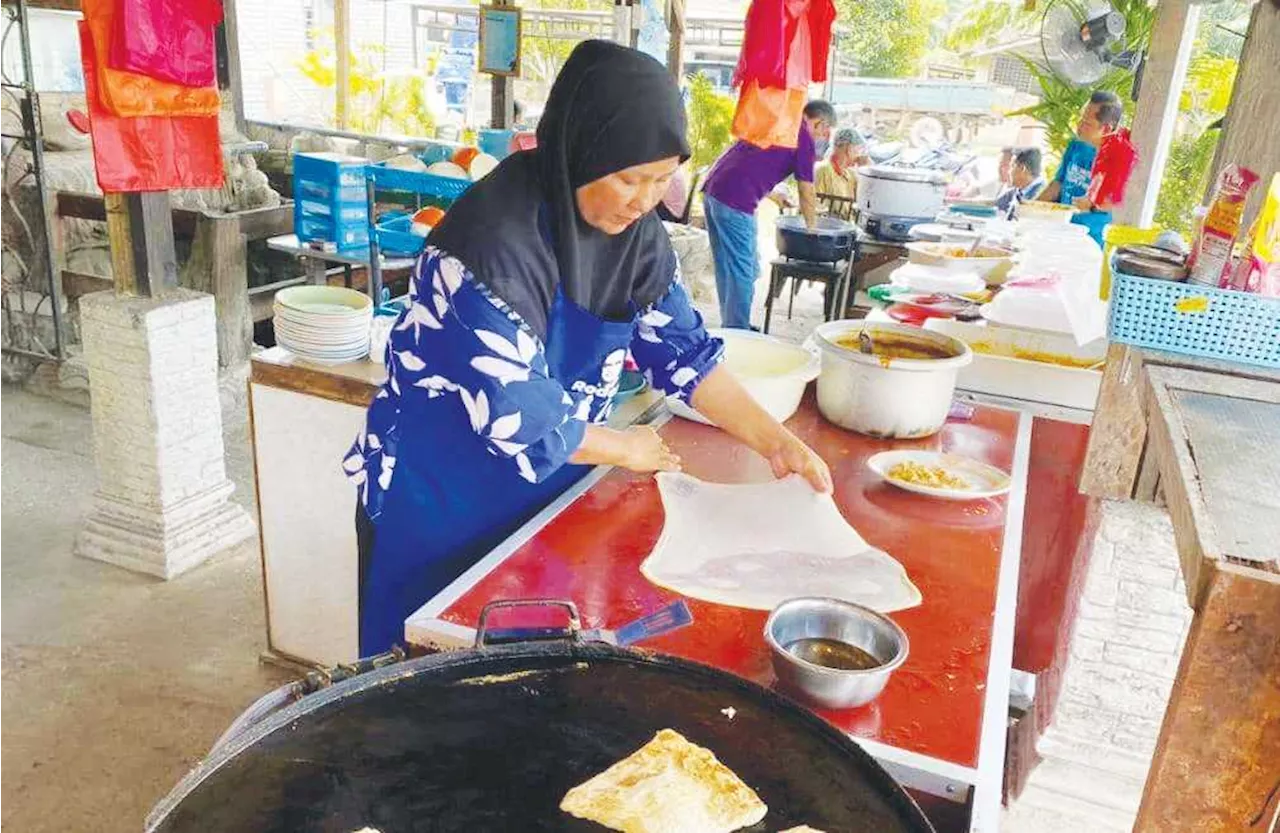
pixel 920 278
pixel 991 269
pixel 887 397
pixel 1025 379
pixel 774 372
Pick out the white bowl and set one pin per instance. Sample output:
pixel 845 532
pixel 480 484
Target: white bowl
pixel 774 372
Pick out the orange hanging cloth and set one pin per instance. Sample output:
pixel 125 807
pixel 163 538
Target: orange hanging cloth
pixel 133 94
pixel 147 153
pixel 767 116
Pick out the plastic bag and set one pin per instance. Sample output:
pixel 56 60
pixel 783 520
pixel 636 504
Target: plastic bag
pixel 167 39
pixel 132 94
pixel 148 153
pixel 1259 269
pixel 768 117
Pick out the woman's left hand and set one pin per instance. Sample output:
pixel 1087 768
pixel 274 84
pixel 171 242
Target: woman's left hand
pixel 791 456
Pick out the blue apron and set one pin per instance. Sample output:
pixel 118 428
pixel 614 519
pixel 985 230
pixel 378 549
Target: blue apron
pixel 451 502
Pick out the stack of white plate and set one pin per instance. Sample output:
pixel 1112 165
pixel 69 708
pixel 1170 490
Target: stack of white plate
pixel 326 324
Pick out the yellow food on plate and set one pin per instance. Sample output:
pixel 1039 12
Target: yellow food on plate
pixel 933 476
pixel 1013 352
pixel 669 785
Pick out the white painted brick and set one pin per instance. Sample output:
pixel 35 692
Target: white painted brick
pixel 1101 590
pixel 1101 612
pixel 1156 663
pixel 1159 641
pixel 1088 650
pixel 1151 575
pixel 1136 595
pixel 1144 620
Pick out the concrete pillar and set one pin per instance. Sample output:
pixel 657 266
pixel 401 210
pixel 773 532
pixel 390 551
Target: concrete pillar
pixel 1172 35
pixel 162 501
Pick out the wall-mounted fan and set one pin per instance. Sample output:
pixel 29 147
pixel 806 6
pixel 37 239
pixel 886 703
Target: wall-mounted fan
pixel 1081 43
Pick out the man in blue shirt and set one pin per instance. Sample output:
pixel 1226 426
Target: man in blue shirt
pixel 1101 117
pixel 1026 183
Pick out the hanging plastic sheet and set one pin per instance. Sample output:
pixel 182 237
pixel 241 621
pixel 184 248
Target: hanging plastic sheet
pixel 167 39
pixel 148 153
pixel 768 117
pixel 134 94
pixel 770 33
pixel 654 38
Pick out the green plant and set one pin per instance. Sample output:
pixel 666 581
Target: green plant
pixel 1185 178
pixel 710 121
pixel 886 38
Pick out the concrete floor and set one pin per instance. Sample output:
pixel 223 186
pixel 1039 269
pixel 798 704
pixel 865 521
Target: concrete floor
pixel 114 684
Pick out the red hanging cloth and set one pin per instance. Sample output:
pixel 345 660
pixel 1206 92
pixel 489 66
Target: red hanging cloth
pixel 147 153
pixel 768 39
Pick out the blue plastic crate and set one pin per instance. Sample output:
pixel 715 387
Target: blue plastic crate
pixel 348 236
pixel 337 170
pixel 428 185
pixel 1195 320
pixel 396 238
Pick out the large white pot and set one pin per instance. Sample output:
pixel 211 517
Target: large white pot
pixel 887 397
pixel 774 372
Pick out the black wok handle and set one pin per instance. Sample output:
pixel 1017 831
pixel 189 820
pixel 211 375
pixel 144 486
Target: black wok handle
pixel 572 632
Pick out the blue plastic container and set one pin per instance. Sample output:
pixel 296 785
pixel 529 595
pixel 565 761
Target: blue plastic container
pixel 1195 320
pixel 396 238
pixel 330 199
pixel 496 143
pixel 428 185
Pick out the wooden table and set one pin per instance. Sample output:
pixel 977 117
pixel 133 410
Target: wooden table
pixel 940 725
pixel 1114 467
pixel 1208 436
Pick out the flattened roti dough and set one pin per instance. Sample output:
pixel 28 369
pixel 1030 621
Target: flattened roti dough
pixel 669 785
pixel 756 545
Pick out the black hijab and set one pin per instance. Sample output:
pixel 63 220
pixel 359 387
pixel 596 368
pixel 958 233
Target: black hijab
pixel 519 231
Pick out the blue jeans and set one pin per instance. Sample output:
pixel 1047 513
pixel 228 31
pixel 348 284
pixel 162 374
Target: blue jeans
pixel 733 249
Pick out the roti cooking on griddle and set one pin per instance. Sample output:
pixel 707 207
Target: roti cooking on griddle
pixel 669 785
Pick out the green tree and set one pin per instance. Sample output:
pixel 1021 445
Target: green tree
pixel 710 121
pixel 378 102
pixel 886 38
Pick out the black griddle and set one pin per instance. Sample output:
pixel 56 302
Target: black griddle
pixel 492 739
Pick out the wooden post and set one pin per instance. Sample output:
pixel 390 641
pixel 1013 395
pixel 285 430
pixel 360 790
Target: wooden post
pixel 342 49
pixel 140 231
pixel 218 265
pixel 503 98
pixel 1172 36
pixel 1249 133
pixel 675 50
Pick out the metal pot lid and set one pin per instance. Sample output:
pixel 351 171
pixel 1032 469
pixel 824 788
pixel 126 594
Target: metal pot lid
pixel 903 174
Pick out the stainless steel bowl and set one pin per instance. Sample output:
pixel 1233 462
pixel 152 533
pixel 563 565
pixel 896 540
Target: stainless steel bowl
pixel 818 618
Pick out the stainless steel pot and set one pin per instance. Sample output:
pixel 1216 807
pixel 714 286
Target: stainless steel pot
pixel 818 618
pixel 886 397
pixel 892 199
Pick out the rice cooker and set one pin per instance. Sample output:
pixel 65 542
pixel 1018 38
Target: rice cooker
pixel 892 199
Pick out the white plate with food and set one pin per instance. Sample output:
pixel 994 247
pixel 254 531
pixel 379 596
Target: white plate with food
pixel 946 476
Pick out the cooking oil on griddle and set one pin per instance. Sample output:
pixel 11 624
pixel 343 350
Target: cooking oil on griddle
pixel 832 653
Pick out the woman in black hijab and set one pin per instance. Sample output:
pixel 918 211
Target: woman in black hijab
pixel 525 303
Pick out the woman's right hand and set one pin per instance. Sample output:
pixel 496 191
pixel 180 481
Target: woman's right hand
pixel 644 451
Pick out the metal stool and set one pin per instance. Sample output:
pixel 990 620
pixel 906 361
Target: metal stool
pixel 834 277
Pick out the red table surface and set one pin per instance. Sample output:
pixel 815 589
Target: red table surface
pixel 591 553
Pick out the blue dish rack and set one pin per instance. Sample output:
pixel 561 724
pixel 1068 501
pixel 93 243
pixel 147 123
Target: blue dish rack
pixel 329 199
pixel 392 233
pixel 1195 320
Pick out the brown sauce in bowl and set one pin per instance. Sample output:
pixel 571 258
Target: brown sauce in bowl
pixel 832 653
pixel 894 346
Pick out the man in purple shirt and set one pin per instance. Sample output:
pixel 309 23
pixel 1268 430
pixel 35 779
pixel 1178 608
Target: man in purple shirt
pixel 741 178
